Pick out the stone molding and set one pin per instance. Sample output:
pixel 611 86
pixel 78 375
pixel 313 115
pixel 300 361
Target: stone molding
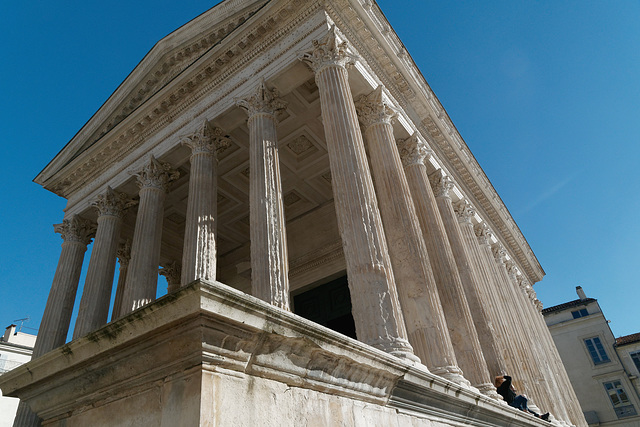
pixel 413 150
pixel 75 229
pixel 113 203
pixel 156 174
pixel 374 109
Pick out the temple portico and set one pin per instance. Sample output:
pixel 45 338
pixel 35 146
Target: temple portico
pixel 285 155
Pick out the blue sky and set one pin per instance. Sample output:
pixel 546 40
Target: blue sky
pixel 546 95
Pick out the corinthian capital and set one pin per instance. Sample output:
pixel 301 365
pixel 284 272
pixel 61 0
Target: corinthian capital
pixel 263 100
pixel 499 252
pixel 172 273
pixel 464 210
pixel 440 183
pixel 112 203
pixel 328 51
pixel 373 109
pixel 413 150
pixel 207 139
pixel 75 229
pixel 156 174
pixel 483 233
pixel 124 253
pixel 512 270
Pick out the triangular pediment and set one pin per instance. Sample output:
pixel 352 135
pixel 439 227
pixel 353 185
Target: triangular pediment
pixel 164 62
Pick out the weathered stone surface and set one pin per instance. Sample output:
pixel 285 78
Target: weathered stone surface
pixel 208 354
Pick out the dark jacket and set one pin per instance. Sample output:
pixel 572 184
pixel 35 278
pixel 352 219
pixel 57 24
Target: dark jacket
pixel 505 390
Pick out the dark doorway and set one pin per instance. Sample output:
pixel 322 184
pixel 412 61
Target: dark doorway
pixel 328 305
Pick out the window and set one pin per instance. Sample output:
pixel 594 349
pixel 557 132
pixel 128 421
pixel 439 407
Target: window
pixel 635 356
pixel 580 313
pixel 596 350
pixel 619 399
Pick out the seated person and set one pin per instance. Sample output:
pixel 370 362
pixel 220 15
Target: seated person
pixel 503 384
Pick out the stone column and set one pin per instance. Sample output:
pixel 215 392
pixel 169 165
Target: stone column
pixel 376 309
pixel 489 298
pixel 199 253
pixel 541 388
pixel 471 284
pixel 269 259
pixel 424 317
pixel 142 277
pixel 448 285
pixel 172 272
pixel 517 355
pixel 568 398
pixel 96 296
pixel 124 256
pixel 76 234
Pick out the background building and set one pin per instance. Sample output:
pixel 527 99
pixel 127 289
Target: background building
pixel 603 370
pixel 15 350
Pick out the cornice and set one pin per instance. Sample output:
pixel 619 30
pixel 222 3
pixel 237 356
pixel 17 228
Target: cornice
pixel 164 62
pixel 207 73
pixel 388 59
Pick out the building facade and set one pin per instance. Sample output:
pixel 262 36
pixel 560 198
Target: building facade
pixel 15 350
pixel 603 370
pixel 334 253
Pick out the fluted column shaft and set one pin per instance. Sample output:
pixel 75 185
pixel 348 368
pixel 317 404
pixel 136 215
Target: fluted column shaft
pixel 549 378
pixel 199 253
pixel 57 313
pixel 472 288
pixel 424 317
pixel 516 352
pixel 454 302
pixel 96 295
pixel 54 326
pixel 542 392
pixel 488 297
pixel 376 309
pixel 124 256
pixel 269 258
pixel 568 398
pixel 449 287
pixel 142 276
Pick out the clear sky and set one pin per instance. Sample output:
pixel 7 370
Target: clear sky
pixel 545 93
